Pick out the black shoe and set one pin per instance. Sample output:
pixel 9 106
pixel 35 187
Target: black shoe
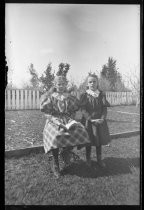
pixel 66 158
pixel 74 156
pixel 89 163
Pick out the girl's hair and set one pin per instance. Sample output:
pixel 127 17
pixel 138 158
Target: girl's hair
pixel 93 75
pixel 53 89
pixel 60 78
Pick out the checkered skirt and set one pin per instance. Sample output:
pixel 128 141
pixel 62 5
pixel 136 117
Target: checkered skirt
pixel 53 137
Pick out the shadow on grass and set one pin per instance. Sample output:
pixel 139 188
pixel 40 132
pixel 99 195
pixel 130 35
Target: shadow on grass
pixel 114 166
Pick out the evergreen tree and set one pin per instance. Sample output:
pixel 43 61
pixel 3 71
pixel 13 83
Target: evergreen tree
pixel 104 72
pixel 109 72
pixel 34 77
pixel 47 78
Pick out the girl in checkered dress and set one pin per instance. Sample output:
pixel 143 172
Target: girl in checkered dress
pixel 60 107
pixel 94 108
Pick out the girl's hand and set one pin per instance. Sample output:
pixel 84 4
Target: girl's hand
pixel 98 121
pixel 86 115
pixel 78 115
pixel 63 127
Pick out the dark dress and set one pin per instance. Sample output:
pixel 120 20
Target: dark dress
pixel 96 107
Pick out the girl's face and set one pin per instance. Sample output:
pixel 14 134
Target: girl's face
pixel 60 86
pixel 92 83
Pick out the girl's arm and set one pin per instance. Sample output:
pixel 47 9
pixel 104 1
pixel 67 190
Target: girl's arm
pixel 73 107
pixel 104 113
pixel 104 107
pixel 83 106
pixel 46 104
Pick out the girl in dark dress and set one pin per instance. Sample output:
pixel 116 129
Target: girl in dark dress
pixel 94 108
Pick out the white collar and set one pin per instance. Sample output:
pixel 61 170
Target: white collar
pixel 60 97
pixel 95 94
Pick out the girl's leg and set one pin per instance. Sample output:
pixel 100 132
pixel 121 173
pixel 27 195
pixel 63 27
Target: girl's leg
pixel 55 162
pixel 99 156
pixel 65 155
pixel 88 155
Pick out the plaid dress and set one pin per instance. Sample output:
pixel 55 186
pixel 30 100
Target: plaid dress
pixel 61 109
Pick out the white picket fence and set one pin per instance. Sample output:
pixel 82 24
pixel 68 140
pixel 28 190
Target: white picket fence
pixel 18 99
pixel 22 99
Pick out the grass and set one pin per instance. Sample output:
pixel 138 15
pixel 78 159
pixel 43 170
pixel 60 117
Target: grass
pixel 131 109
pixel 24 128
pixel 29 180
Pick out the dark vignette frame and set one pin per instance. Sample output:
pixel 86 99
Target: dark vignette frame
pixel 4 72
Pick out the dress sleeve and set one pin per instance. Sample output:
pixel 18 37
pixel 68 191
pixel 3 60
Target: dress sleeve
pixel 83 101
pixel 46 103
pixel 104 106
pixel 74 104
pixel 104 100
pixel 83 106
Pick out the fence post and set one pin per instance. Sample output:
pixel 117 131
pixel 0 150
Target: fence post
pixel 13 99
pixel 33 101
pixel 38 99
pixel 112 98
pixel 126 98
pixel 29 99
pixel 122 98
pixel 25 102
pixel 22 96
pixel 17 99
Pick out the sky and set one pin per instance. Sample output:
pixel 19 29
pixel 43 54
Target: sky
pixel 84 36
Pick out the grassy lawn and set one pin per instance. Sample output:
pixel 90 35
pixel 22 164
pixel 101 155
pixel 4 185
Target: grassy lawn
pixel 29 180
pixel 24 128
pixel 131 109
